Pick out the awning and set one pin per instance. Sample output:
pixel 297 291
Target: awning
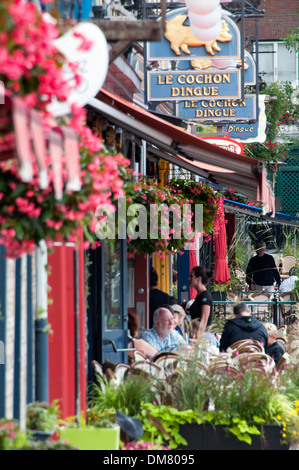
pixel 257 212
pixel 169 142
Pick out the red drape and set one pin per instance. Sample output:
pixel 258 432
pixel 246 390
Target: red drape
pixel 192 264
pixel 222 275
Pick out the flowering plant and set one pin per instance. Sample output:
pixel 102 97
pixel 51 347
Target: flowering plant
pixel 201 193
pixel 270 151
pixel 42 416
pixel 29 214
pixel 31 67
pixel 290 425
pixel 144 446
pixel 147 198
pixel 10 435
pixel 234 196
pixel 282 110
pixel 166 216
pixel 101 418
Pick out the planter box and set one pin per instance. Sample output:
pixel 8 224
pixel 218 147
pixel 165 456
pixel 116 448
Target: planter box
pixel 208 437
pixel 41 435
pixel 92 438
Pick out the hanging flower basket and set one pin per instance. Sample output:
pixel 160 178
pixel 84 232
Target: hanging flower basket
pixel 202 194
pixel 162 220
pixel 31 69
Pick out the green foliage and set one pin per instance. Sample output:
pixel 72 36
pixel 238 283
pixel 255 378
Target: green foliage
pixel 242 402
pixel 281 110
pixel 131 426
pixel 125 397
pixel 162 423
pixel 292 39
pixel 42 416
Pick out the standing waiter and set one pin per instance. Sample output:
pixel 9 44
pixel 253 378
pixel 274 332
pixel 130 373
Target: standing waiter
pixel 262 272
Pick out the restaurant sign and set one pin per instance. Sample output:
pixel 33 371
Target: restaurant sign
pixel 178 40
pixel 225 143
pixel 206 85
pixel 205 78
pixel 218 109
pixel 202 81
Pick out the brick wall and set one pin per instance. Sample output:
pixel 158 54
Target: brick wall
pixel 280 17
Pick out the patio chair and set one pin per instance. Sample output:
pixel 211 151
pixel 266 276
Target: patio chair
pixel 239 273
pixel 246 346
pixel 97 368
pixel 100 376
pixel 222 367
pixel 139 356
pixel 146 368
pixel 120 371
pixel 282 342
pixel 286 263
pixel 282 331
pixel 108 369
pixel 282 363
pixel 261 311
pixel 288 309
pixel 257 361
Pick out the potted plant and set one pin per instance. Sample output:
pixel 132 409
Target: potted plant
pixel 100 431
pixel 42 419
pixel 232 409
pixel 11 437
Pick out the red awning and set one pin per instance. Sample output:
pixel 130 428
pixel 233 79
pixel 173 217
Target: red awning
pixel 172 143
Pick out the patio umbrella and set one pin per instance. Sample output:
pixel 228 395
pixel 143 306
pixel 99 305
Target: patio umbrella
pixel 222 275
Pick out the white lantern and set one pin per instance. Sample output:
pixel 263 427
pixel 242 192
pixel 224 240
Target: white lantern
pixel 92 76
pixel 202 7
pixel 206 35
pixel 205 21
pixel 224 63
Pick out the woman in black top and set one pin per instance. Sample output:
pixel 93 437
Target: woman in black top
pixel 202 307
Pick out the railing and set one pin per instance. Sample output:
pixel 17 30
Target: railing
pixel 275 314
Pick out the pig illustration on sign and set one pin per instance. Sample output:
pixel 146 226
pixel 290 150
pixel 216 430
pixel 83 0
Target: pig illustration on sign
pixel 181 37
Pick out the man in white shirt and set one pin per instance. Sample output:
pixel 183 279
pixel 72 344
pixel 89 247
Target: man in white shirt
pixel 288 284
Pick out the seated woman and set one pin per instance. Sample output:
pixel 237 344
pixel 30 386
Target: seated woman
pixel 139 344
pixel 181 321
pixel 197 335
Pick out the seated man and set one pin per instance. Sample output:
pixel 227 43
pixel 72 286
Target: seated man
pixel 162 336
pixel 243 326
pixel 273 348
pixel 289 284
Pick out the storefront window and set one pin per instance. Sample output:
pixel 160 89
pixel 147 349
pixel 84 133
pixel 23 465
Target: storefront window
pixel 276 63
pixel 112 270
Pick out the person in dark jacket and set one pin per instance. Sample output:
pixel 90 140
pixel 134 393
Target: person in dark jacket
pixel 243 326
pixel 157 298
pixel 273 348
pixel 262 272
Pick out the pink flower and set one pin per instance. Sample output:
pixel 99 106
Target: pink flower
pixel 85 44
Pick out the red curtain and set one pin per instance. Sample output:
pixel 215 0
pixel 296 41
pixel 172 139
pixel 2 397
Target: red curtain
pixel 192 263
pixel 222 275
